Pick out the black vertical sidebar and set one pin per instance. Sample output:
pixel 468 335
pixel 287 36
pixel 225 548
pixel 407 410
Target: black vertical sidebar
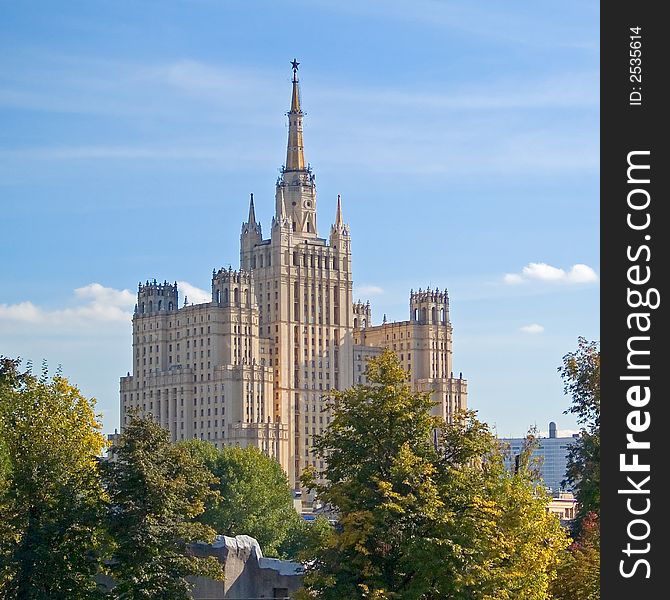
pixel 635 345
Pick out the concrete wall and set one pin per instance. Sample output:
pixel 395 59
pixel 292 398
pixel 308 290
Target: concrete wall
pixel 248 575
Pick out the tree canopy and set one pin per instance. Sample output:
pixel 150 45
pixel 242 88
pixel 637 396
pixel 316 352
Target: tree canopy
pixel 156 492
pixel 426 510
pixel 254 495
pixel 50 493
pixel 579 573
pixel 581 377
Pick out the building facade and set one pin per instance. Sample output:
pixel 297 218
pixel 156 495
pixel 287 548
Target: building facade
pixel 254 366
pixel 552 453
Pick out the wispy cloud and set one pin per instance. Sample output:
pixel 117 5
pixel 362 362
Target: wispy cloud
pixel 195 295
pixel 488 23
pixel 129 152
pixel 578 274
pixel 533 328
pixel 563 90
pixel 368 290
pixel 178 111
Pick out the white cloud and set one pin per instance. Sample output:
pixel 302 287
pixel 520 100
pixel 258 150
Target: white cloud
pixel 99 294
pixel 582 274
pixel 368 290
pixel 543 272
pixel 194 294
pixel 23 311
pixel 93 304
pixel 513 278
pixel 103 304
pixel 533 328
pixel 578 273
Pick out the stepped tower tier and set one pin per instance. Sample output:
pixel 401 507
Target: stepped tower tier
pixel 295 197
pixel 303 288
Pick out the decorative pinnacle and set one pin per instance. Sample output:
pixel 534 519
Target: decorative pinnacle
pixel 294 66
pixel 338 213
pixel 252 212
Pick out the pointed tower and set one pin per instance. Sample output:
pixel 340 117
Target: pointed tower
pixel 339 231
pixel 250 237
pixel 296 189
pixel 295 151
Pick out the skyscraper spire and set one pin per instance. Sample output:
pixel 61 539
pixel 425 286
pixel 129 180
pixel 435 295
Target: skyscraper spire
pixel 295 158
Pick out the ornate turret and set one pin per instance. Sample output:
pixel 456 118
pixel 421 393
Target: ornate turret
pixel 429 307
pixel 362 315
pixel 154 297
pixel 233 288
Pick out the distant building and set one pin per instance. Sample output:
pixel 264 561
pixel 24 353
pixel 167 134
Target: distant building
pixel 553 452
pixel 564 507
pixel 255 363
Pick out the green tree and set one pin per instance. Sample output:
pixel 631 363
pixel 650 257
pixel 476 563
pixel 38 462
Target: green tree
pixel 306 539
pixel 579 573
pixel 254 495
pixel 156 492
pixel 51 499
pixel 581 377
pixel 497 540
pixel 422 517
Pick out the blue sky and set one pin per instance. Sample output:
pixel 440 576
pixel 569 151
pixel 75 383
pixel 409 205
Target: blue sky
pixel 131 134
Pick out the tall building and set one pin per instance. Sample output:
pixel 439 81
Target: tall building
pixel 254 365
pixel 552 453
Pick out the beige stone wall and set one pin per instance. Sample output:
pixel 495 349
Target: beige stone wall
pixel 424 346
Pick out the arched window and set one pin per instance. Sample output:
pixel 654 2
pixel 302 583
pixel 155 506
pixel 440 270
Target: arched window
pixel 236 296
pixel 160 304
pixel 443 315
pixel 151 305
pixel 309 227
pixel 246 296
pixel 365 323
pixel 142 310
pixel 218 296
pixel 355 323
pixel 170 305
pixel 433 315
pixel 424 315
pixel 225 296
